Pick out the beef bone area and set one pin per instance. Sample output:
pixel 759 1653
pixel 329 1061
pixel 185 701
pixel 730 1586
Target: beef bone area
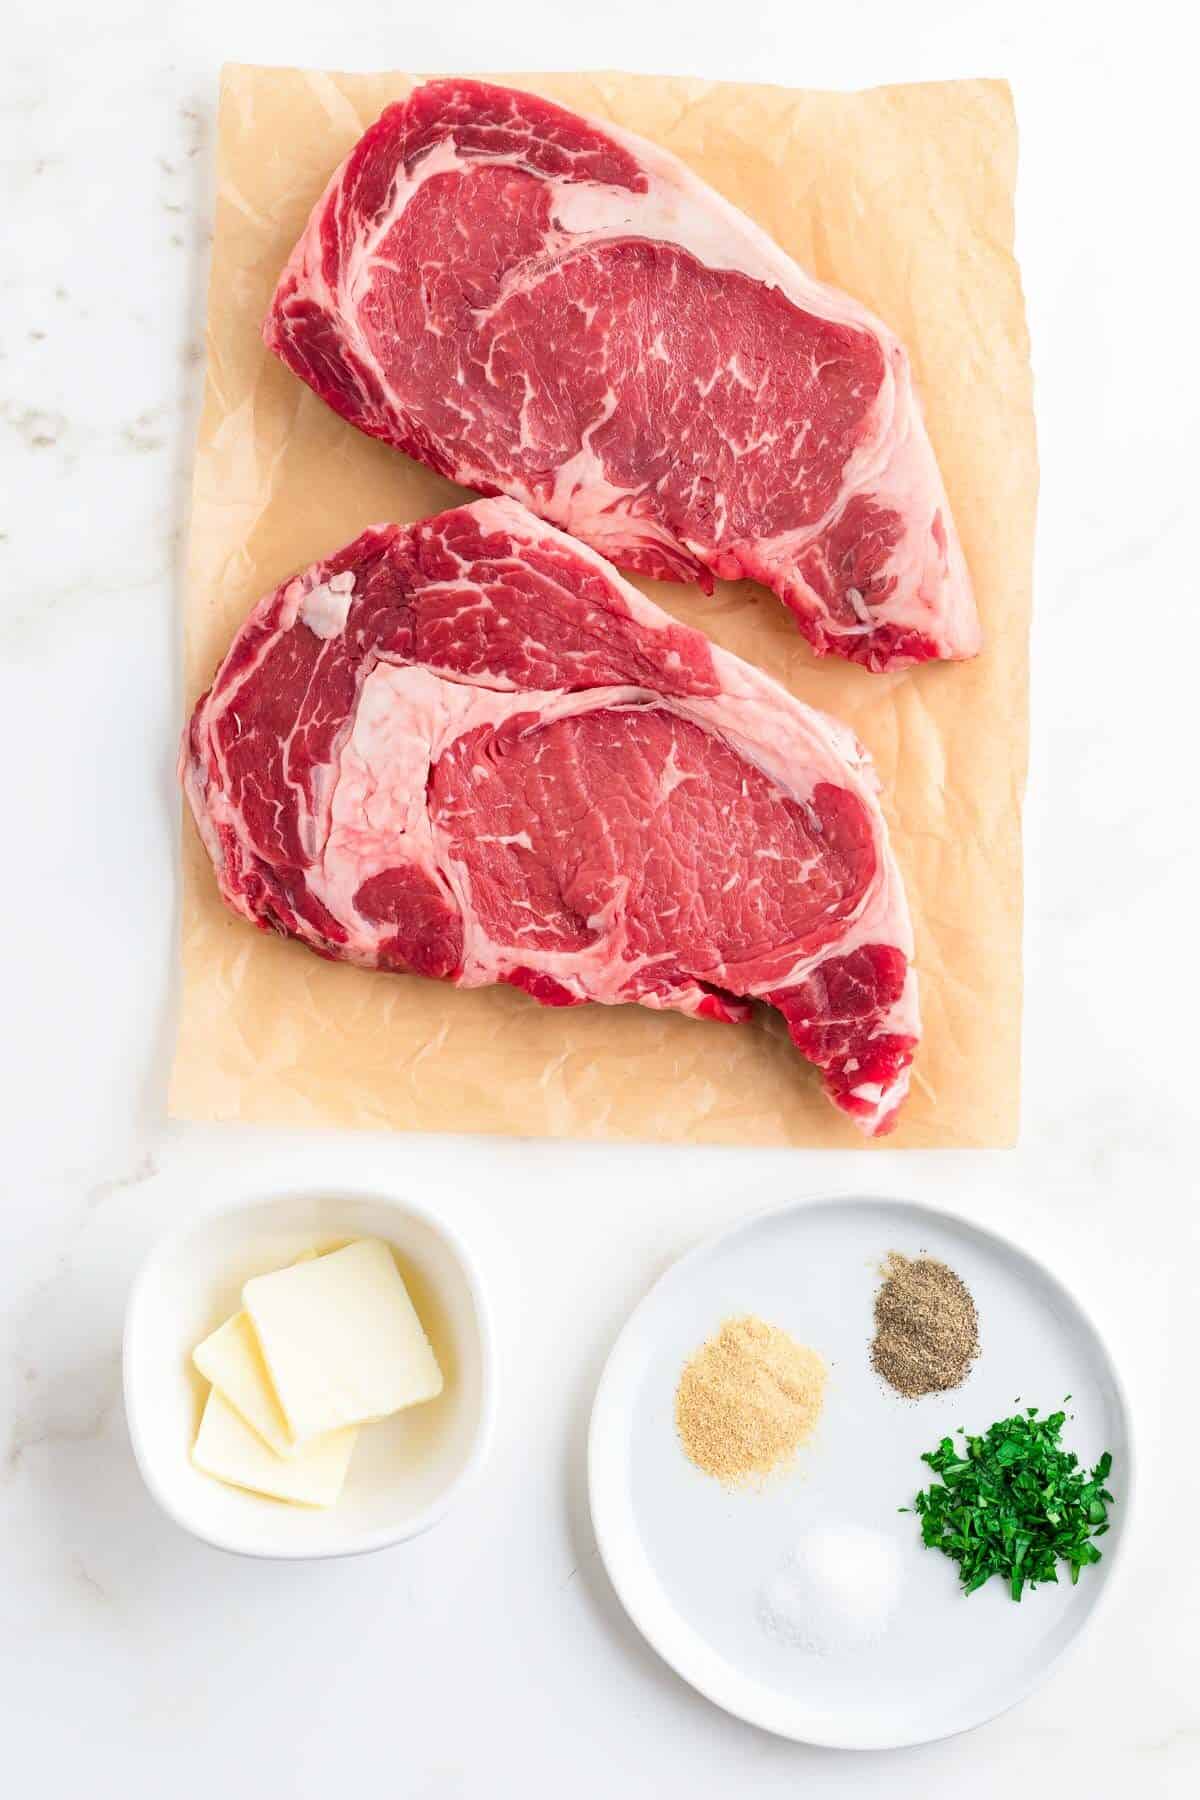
pixel 467 750
pixel 538 305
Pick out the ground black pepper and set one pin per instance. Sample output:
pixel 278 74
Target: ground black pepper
pixel 926 1327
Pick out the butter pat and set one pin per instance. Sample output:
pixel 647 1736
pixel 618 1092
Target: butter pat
pixel 227 1448
pixel 341 1339
pixel 231 1359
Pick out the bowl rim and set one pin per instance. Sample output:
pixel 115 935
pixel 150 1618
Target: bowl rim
pixel 386 1536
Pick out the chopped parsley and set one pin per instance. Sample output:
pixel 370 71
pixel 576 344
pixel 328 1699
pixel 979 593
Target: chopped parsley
pixel 1013 1503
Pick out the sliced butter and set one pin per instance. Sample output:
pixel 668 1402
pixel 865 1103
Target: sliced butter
pixel 231 1359
pixel 341 1339
pixel 227 1448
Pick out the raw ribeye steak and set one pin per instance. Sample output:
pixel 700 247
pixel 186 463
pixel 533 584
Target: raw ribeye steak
pixel 539 305
pixel 467 749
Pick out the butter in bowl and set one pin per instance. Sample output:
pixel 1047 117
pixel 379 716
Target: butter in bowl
pixel 308 1376
pixel 319 1349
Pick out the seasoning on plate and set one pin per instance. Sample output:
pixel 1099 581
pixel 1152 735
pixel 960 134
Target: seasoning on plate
pixel 747 1400
pixel 1014 1503
pixel 837 1591
pixel 926 1327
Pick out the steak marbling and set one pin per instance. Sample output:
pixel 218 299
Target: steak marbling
pixel 466 749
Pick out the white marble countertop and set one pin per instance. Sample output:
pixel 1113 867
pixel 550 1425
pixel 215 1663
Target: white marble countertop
pixel 491 1657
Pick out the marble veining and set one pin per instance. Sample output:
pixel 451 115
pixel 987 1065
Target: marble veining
pixel 491 1657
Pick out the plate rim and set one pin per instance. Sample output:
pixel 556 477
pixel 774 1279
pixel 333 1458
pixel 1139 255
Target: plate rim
pixel 769 1717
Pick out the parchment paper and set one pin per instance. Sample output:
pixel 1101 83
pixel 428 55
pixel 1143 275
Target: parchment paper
pixel 903 196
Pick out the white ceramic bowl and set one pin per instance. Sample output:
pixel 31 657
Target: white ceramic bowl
pixel 406 1470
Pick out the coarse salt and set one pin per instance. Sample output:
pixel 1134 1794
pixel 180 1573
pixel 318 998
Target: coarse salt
pixel 836 1591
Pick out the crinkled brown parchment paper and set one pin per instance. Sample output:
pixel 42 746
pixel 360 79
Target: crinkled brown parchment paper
pixel 903 196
